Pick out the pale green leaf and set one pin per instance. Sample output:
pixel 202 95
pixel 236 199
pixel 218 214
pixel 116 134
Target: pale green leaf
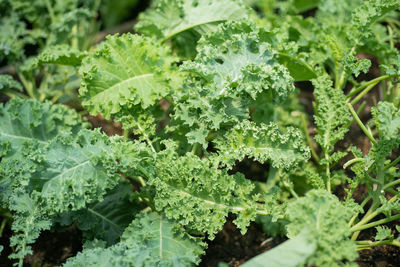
pixel 290 253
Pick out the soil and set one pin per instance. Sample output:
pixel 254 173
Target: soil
pixel 233 248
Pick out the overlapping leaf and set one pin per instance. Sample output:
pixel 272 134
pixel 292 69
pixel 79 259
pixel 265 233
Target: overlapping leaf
pixel 226 78
pixel 150 240
pixel 187 20
pixel 326 219
pixel 199 195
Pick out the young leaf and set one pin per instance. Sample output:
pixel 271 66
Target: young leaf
pixel 382 233
pixel 332 116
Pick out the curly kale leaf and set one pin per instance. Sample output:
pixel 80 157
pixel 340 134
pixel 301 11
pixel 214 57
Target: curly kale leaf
pixel 125 72
pixel 263 143
pixel 326 219
pixel 225 79
pixel 369 12
pixel 106 219
pixel 8 82
pixel 29 121
pixel 332 116
pixel 199 195
pixel 49 167
pixel 185 21
pixel 387 120
pixel 13 38
pixel 60 54
pixel 150 240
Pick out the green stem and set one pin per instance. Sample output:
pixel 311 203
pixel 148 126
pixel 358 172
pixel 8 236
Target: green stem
pixel 393 163
pixel 366 244
pixel 195 148
pixel 391 184
pixel 125 134
pixel 347 164
pixel 364 85
pixel 362 126
pixel 51 11
pixel 3 225
pixel 365 201
pixel 28 86
pixel 146 138
pixel 308 139
pixel 360 95
pixel 372 213
pixel 328 173
pixel 373 224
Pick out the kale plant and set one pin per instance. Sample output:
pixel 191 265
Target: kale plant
pixel 200 87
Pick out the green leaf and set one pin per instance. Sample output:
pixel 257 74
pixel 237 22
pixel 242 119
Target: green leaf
pixel 230 71
pixel 29 121
pixel 200 195
pixel 326 219
pixel 61 55
pixel 387 120
pixel 8 82
pixel 382 233
pixel 150 240
pixel 298 68
pixel 189 19
pixel 292 252
pixel 332 116
pixel 125 71
pixel 263 143
pixel 106 219
pixel 304 5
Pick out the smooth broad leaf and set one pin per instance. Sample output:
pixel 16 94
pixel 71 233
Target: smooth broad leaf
pixel 304 5
pixel 124 71
pixel 290 253
pixel 150 240
pixel 168 18
pixel 299 69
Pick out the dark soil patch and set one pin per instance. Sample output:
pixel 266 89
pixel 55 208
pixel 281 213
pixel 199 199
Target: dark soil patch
pixel 233 248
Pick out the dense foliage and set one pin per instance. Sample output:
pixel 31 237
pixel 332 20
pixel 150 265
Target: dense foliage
pixel 200 87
